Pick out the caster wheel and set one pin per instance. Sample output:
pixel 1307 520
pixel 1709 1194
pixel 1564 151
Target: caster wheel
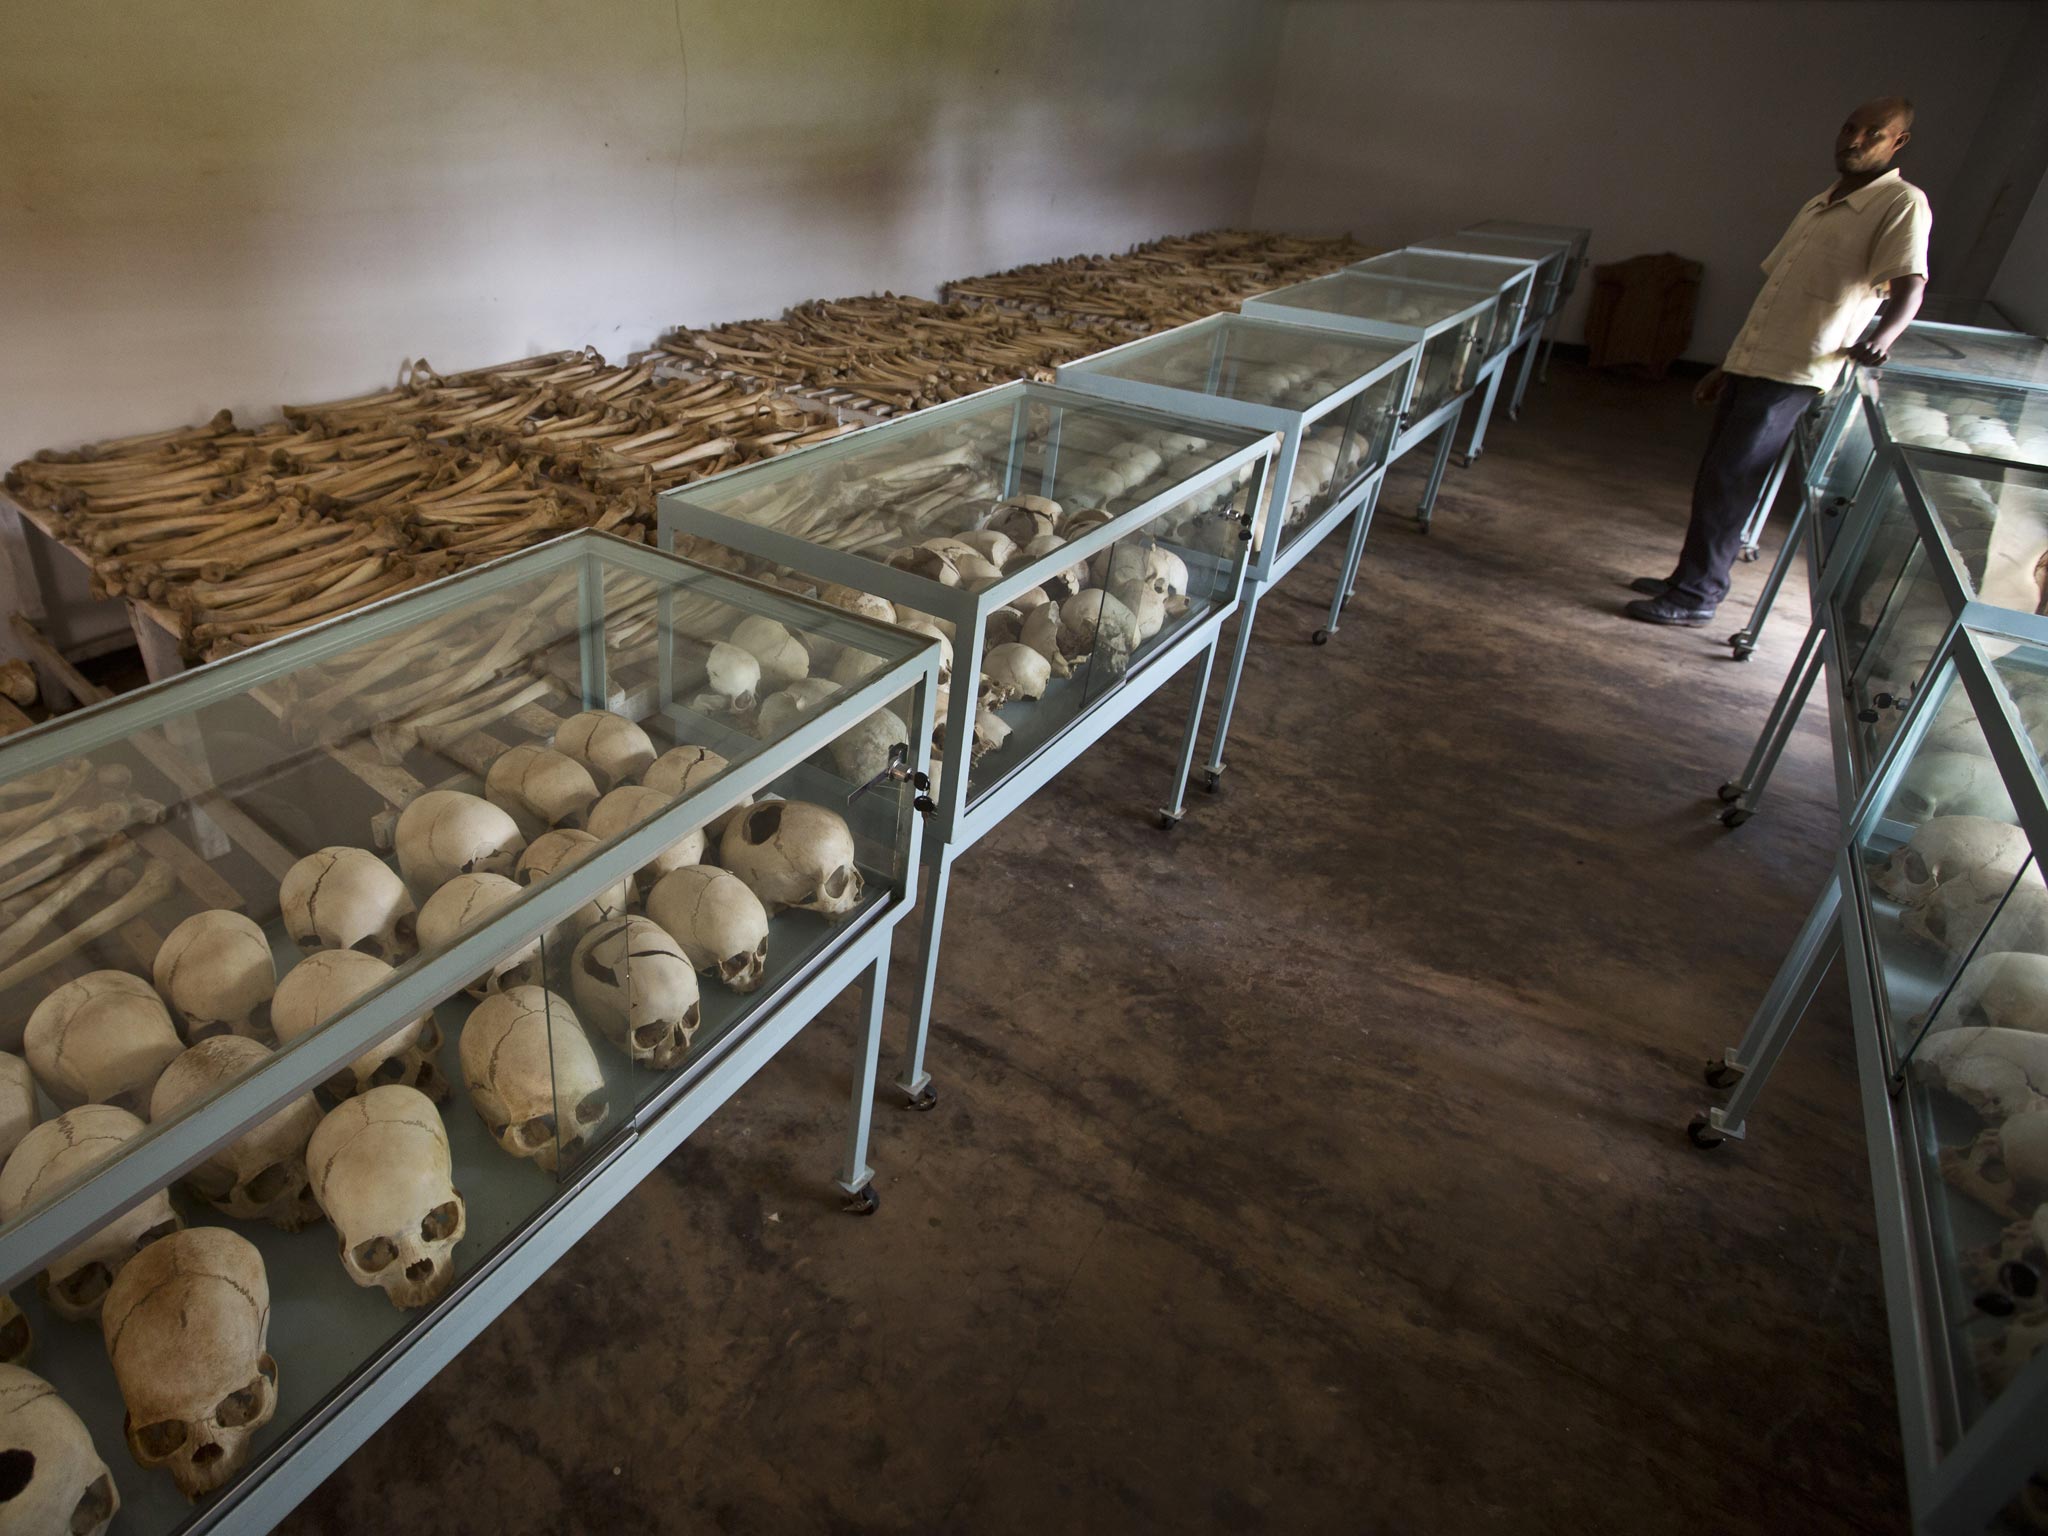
pixel 1744 652
pixel 1748 556
pixel 1320 637
pixel 1168 821
pixel 1736 815
pixel 866 1203
pixel 924 1100
pixel 1729 792
pixel 1703 1135
pixel 1212 780
pixel 1720 1075
pixel 1422 526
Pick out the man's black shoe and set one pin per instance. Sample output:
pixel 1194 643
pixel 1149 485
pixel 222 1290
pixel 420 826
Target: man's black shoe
pixel 1668 610
pixel 1649 586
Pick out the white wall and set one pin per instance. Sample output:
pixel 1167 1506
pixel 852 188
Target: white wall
pixel 2021 288
pixel 229 202
pixel 1697 128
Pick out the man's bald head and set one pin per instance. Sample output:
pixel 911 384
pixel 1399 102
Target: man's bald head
pixel 1873 133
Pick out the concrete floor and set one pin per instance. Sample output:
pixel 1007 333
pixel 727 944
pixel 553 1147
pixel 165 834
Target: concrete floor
pixel 1319 1167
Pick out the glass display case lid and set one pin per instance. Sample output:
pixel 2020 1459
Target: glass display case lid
pixel 1986 421
pixel 1577 235
pixel 1241 357
pixel 1533 249
pixel 1974 314
pixel 1967 352
pixel 870 493
pixel 1487 274
pixel 1370 296
pixel 1995 520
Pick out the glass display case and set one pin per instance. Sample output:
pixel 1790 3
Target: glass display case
pixel 1938 908
pixel 1074 552
pixel 1510 278
pixel 1551 254
pixel 1952 309
pixel 354 976
pixel 1576 236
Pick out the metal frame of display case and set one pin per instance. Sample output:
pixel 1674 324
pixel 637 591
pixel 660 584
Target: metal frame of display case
pixel 1578 237
pixel 957 824
pixel 279 1476
pixel 1272 560
pixel 1813 445
pixel 1440 419
pixel 1553 255
pixel 1960 1474
pixel 1831 557
pixel 1512 278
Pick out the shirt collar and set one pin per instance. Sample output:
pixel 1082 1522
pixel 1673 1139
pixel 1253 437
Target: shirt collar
pixel 1860 196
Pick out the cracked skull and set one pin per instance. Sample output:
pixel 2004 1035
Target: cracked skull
pixel 611 747
pixel 533 1079
pixel 102 1039
pixel 382 1172
pixel 467 902
pixel 327 983
pixel 261 1174
pixel 636 986
pixel 631 805
pixel 794 854
pixel 348 898
pixel 52 1479
pixel 540 788
pixel 444 833
pixel 719 922
pixel 215 970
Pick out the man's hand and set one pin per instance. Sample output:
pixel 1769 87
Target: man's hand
pixel 1869 355
pixel 1708 390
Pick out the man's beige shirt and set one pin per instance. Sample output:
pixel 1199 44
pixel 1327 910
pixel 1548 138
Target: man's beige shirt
pixel 1826 277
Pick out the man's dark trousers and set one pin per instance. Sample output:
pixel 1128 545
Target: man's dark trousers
pixel 1752 424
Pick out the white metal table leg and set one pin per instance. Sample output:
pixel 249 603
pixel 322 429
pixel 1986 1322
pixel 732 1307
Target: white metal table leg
pixel 1528 369
pixel 913 1079
pixel 1427 505
pixel 1247 610
pixel 1347 583
pixel 856 1178
pixel 1177 803
pixel 1743 641
pixel 1742 795
pixel 1477 445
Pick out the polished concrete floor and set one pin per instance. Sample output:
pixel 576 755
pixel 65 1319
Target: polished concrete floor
pixel 1317 1167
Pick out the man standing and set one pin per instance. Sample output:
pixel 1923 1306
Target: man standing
pixel 1862 241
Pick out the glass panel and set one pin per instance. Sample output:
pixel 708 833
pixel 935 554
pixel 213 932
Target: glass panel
pixel 1992 357
pixel 204 875
pixel 1889 619
pixel 1840 480
pixel 1472 274
pixel 1997 521
pixel 1337 449
pixel 1985 420
pixel 1293 367
pixel 1398 306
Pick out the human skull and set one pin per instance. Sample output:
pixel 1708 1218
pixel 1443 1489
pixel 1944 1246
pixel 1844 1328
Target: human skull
pixel 18 1112
pixel 1062 583
pixel 382 1173
pixel 532 1077
pixel 2006 1166
pixel 348 898
pixel 992 544
pixel 1951 784
pixel 853 600
pixel 49 1158
pixel 555 851
pixel 718 920
pixel 539 788
pixel 928 564
pixel 1016 672
pixel 1003 627
pixel 187 1329
pixel 1984 852
pixel 215 970
pixel 635 984
pixel 918 624
pixel 789 707
pixel 17 1338
pixel 1024 518
pixel 444 833
pixel 2006 990
pixel 794 854
pixel 1147 601
pixel 854 667
pixel 631 805
pixel 613 748
pixel 1959 917
pixel 102 1039
pixel 52 1479
pixel 1041 632
pixel 1999 1073
pixel 781 656
pixel 865 750
pixel 467 902
pixel 325 984
pixel 1143 561
pixel 261 1174
pixel 1096 628
pixel 680 770
pixel 732 675
pixel 971 567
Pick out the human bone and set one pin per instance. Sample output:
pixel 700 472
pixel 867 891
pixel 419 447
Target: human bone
pixel 918 624
pixel 1096 628
pixel 2008 990
pixel 2001 1356
pixel 853 600
pixel 215 970
pixel 992 544
pixel 49 1158
pixel 540 788
pixel 1003 627
pixel 1948 848
pixel 990 732
pixel 325 984
pixel 930 564
pixel 444 833
pixel 2006 1166
pixel 854 667
pixel 467 902
pixel 865 750
pixel 631 805
pixel 348 898
pixel 974 569
pixel 717 920
pixel 1082 521
pixel 1957 915
pixel 636 986
pixel 680 770
pixel 1951 784
pixel 554 851
pixel 187 1330
pixel 734 677
pixel 54 1482
pixel 794 854
pixel 261 1174
pixel 102 1039
pixel 1999 1073
pixel 1024 518
pixel 611 747
pixel 1041 631
pixel 1140 561
pixel 1066 581
pixel 18 1111
pixel 789 707
pixel 533 1079
pixel 1017 672
pixel 1147 603
pixel 781 655
pixel 382 1172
